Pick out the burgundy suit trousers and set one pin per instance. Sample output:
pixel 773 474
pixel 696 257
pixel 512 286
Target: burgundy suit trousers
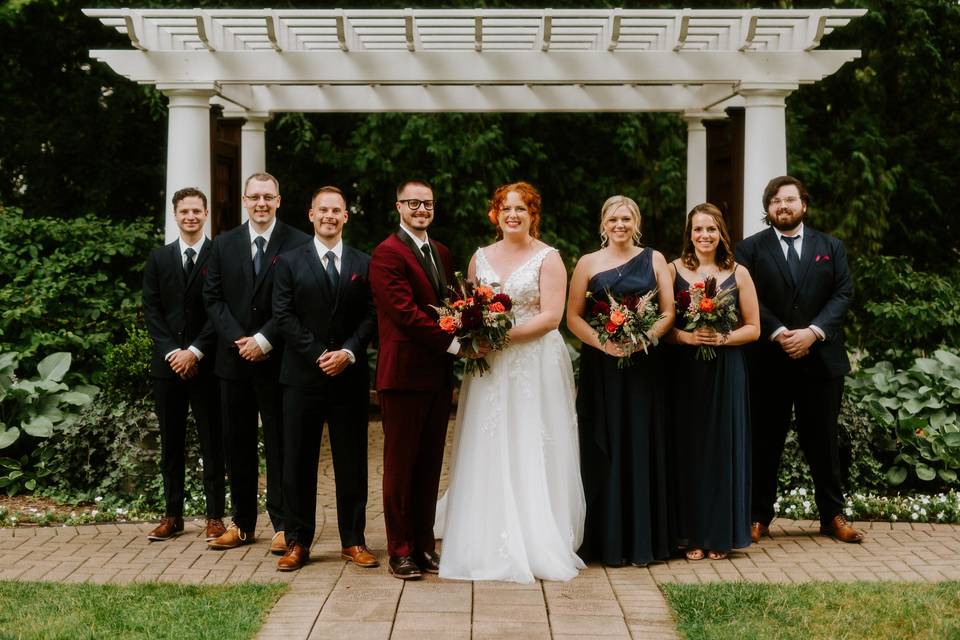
pixel 414 430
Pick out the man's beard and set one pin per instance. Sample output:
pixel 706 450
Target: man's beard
pixel 779 225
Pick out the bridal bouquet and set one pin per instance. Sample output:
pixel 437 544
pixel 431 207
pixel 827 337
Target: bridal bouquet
pixel 476 315
pixel 626 321
pixel 704 306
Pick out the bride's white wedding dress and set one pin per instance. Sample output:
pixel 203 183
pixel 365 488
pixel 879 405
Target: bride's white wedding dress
pixel 514 505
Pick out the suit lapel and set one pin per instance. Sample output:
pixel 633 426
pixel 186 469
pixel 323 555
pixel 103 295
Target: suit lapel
pixel 176 264
pixel 811 246
pixel 316 266
pixel 246 254
pixel 772 243
pixel 273 248
pixel 346 271
pixel 420 258
pixel 198 263
pixel 440 270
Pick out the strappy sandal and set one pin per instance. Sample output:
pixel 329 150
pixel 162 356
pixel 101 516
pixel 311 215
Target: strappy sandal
pixel 695 554
pixel 717 555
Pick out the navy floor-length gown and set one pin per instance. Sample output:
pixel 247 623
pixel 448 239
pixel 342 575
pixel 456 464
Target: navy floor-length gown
pixel 622 441
pixel 710 435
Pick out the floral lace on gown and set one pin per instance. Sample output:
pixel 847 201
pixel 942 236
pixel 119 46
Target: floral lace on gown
pixel 514 506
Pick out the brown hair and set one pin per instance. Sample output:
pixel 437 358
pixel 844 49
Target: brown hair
pixel 530 196
pixel 403 185
pixel 724 253
pixel 262 176
pixel 782 181
pixel 327 189
pixel 189 192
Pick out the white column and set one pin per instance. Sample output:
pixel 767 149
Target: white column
pixel 188 147
pixel 696 161
pixel 253 148
pixel 764 146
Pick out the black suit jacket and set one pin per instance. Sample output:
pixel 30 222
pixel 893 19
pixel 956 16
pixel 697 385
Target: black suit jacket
pixel 821 297
pixel 312 317
pixel 241 304
pixel 174 309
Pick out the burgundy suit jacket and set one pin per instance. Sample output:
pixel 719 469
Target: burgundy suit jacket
pixel 413 349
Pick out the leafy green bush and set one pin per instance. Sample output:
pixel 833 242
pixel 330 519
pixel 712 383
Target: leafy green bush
pixel 112 455
pixel 69 284
pixel 899 313
pixel 32 410
pixel 126 366
pixel 918 407
pixel 863 448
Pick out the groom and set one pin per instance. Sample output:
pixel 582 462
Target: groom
pixel 408 273
pixel 797 366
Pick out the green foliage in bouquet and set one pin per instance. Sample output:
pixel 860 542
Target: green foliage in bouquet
pixel 919 408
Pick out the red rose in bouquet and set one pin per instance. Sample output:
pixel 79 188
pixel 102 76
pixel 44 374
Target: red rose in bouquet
pixel 626 321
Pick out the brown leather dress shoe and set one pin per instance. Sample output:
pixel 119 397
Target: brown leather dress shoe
pixel 359 555
pixel 404 567
pixel 232 538
pixel 295 557
pixel 428 561
pixel 215 529
pixel 758 530
pixel 169 527
pixel 278 544
pixel 841 530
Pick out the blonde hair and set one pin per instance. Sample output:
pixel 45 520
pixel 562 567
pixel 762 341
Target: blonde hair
pixel 610 205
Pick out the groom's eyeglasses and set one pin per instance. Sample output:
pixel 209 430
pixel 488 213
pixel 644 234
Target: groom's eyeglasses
pixel 414 204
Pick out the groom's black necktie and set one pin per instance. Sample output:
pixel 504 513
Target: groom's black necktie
pixel 793 258
pixel 431 267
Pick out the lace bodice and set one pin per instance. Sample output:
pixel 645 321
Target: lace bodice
pixel 523 285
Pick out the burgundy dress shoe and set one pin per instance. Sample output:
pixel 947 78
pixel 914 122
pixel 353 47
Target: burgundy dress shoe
pixel 758 530
pixel 232 538
pixel 296 556
pixel 215 529
pixel 428 561
pixel 169 527
pixel 359 555
pixel 404 567
pixel 841 530
pixel 278 544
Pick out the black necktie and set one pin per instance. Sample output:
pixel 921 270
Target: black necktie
pixel 258 256
pixel 431 268
pixel 332 275
pixel 793 258
pixel 188 265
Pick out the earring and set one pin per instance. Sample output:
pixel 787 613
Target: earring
pixel 603 239
pixel 636 238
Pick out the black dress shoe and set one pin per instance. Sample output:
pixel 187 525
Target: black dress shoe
pixel 428 561
pixel 404 567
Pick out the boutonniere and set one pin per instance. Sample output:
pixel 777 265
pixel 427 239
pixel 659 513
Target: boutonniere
pixel 821 257
pixel 357 277
pixel 275 258
pixel 203 272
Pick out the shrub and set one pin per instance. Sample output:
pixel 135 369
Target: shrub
pixel 918 408
pixel 898 313
pixel 126 370
pixel 32 410
pixel 69 284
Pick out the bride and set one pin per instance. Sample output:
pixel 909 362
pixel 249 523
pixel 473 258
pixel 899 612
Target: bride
pixel 514 505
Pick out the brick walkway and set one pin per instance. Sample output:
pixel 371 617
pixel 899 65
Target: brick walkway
pixel 331 599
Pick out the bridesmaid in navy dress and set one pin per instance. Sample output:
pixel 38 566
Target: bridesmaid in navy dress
pixel 621 410
pixel 710 420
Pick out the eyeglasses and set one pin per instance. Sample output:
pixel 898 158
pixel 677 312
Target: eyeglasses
pixel 414 204
pixel 788 200
pixel 268 198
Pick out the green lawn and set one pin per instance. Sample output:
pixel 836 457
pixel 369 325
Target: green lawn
pixel 53 610
pixel 861 611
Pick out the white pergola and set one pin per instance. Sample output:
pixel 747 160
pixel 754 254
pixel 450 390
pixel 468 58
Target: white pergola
pixel 692 62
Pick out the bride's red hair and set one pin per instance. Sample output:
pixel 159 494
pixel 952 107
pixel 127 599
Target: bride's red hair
pixel 530 197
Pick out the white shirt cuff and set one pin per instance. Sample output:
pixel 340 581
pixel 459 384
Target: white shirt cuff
pixel 196 352
pixel 773 336
pixel 454 347
pixel 350 355
pixel 263 343
pixel 167 357
pixel 817 330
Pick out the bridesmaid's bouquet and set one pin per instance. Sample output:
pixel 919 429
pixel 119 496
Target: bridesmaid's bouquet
pixel 476 315
pixel 626 321
pixel 704 306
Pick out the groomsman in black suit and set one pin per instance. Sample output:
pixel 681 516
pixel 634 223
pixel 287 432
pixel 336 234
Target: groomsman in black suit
pixel 182 364
pixel 798 365
pixel 324 310
pixel 239 297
